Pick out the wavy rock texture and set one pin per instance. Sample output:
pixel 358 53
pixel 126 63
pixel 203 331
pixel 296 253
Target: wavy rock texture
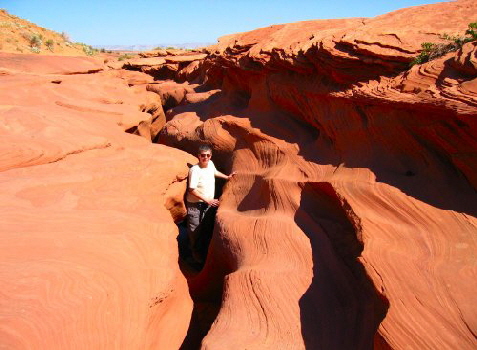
pixel 88 252
pixel 352 220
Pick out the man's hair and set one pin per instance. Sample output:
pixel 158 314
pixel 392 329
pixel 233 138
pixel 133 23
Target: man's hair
pixel 205 148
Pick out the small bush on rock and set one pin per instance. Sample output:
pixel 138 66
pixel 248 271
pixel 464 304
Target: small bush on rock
pixel 472 31
pixel 36 40
pixel 49 44
pixel 125 57
pixel 88 49
pixel 432 51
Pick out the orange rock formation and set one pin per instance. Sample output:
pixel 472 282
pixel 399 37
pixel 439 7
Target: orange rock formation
pixel 351 222
pixel 88 253
pixel 352 218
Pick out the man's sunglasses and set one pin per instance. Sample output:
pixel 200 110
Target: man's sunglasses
pixel 205 155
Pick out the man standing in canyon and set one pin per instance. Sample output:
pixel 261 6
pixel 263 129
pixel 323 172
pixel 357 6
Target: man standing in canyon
pixel 201 203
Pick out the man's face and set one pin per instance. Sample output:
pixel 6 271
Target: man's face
pixel 204 157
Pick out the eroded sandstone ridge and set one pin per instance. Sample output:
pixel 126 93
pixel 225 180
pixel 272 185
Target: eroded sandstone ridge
pixel 88 252
pixel 352 218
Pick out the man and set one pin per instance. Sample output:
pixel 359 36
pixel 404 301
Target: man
pixel 200 199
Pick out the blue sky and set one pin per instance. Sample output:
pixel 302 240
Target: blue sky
pixel 110 22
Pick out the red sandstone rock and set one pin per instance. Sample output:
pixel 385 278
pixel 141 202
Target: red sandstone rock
pixel 153 53
pixel 185 58
pixel 171 93
pixel 12 63
pixel 190 73
pixel 88 252
pixel 178 65
pixel 346 50
pixel 352 219
pixel 139 63
pixel 169 52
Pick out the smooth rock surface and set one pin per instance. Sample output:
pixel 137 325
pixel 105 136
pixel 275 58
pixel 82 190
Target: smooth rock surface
pixel 88 251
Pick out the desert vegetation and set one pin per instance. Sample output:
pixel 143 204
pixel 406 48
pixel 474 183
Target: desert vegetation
pixel 125 56
pixel 50 44
pixel 21 36
pixel 431 51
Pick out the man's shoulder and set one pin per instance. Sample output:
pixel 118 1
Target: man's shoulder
pixel 194 167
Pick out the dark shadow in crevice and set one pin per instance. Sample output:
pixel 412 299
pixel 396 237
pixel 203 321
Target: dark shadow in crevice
pixel 203 315
pixel 341 309
pixel 205 288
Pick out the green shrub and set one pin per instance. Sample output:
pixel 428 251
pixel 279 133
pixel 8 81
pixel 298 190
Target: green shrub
pixel 35 49
pixel 432 51
pixel 49 44
pixel 125 57
pixel 89 50
pixel 36 40
pixel 472 31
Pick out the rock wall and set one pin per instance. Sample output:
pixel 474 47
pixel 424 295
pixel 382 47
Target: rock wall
pixel 88 251
pixel 351 222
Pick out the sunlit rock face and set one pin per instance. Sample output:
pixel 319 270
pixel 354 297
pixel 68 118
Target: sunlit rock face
pixel 351 222
pixel 88 252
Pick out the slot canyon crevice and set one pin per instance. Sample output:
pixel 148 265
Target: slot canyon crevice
pixel 351 222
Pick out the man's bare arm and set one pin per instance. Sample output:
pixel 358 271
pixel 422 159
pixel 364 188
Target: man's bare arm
pixel 223 176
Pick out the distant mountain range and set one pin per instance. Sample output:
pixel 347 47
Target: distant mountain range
pixel 150 47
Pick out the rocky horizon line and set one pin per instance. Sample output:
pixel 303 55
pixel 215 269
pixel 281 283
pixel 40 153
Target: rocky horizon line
pixel 146 47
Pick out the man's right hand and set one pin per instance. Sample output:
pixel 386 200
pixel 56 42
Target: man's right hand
pixel 213 202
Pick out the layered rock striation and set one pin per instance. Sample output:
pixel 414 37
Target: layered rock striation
pixel 88 252
pixel 351 222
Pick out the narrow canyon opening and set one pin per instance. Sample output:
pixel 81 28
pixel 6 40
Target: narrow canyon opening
pixel 330 173
pixel 340 298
